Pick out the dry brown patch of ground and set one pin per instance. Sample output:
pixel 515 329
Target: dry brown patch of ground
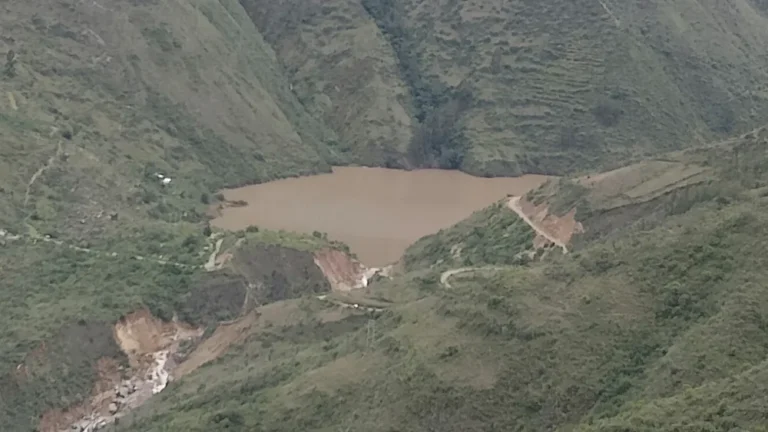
pixel 550 228
pixel 343 272
pixel 226 335
pixel 140 334
pixel 216 345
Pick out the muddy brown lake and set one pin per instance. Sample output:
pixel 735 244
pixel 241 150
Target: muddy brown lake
pixel 378 212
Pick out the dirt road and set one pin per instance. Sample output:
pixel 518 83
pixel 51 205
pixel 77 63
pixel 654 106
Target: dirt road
pixel 446 275
pixel 514 205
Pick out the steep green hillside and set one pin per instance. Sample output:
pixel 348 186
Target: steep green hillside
pixel 104 95
pixel 96 100
pixel 555 86
pixel 515 86
pixel 659 326
pixel 568 84
pixel 344 72
pixel 655 320
pixel 494 235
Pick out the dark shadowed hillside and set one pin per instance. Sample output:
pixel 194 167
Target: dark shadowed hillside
pixel 512 86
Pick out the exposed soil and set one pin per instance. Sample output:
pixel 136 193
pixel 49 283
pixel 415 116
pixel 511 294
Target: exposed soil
pixel 62 420
pixel 278 273
pixel 102 395
pixel 212 263
pixel 229 334
pixel 12 102
pixel 343 272
pixel 549 228
pixel 140 335
pixel 217 344
pixel 151 346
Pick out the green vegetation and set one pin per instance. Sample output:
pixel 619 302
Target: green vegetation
pixel 95 105
pixel 58 309
pixel 298 241
pixel 494 235
pixel 438 140
pixel 657 327
pixel 120 121
pixel 344 72
pixel 267 360
pixel 518 87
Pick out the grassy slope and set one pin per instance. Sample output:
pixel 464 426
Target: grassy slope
pixel 344 72
pixel 494 235
pixel 190 90
pixel 562 85
pixel 56 298
pixel 659 327
pixel 103 95
pixel 516 86
pixel 126 90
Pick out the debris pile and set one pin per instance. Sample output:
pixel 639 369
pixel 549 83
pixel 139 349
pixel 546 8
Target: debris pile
pixel 94 422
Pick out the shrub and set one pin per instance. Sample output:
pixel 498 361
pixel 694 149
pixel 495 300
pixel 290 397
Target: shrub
pixel 10 64
pixel 608 113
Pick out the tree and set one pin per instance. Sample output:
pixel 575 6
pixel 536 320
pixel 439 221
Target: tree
pixel 608 112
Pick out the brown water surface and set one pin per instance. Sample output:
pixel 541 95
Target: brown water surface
pixel 378 212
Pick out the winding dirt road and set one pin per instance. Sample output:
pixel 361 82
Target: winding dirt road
pixel 514 205
pixel 446 275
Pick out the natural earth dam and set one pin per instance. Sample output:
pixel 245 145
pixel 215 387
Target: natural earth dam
pixel 378 212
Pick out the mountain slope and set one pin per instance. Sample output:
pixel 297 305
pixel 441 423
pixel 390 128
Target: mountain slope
pixel 188 89
pixel 344 72
pixel 97 100
pixel 658 326
pixel 563 85
pixel 513 87
pixel 119 120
